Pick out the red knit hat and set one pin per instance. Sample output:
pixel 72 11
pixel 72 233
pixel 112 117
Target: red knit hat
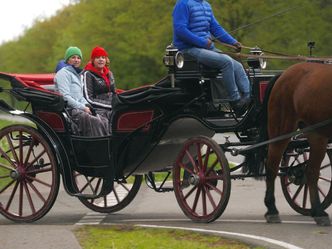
pixel 97 52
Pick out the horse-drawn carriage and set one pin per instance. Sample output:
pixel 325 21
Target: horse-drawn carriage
pixel 166 127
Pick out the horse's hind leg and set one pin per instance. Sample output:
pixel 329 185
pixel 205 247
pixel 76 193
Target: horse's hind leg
pixel 275 153
pixel 317 152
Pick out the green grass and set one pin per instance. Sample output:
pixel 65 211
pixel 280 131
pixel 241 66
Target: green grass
pixel 130 237
pixel 4 146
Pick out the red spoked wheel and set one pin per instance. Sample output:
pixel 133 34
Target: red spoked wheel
pixel 29 177
pixel 201 179
pixel 123 192
pixel 294 184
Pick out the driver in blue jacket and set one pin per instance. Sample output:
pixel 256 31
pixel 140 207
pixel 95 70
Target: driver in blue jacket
pixel 193 27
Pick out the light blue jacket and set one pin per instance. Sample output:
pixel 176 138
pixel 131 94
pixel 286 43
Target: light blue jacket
pixel 68 82
pixel 194 23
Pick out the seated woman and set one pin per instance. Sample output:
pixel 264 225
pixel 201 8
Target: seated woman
pixel 98 81
pixel 68 83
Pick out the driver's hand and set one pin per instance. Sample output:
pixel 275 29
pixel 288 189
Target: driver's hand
pixel 209 43
pixel 237 46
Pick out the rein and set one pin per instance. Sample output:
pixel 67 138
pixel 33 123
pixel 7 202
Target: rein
pixel 275 55
pixel 307 129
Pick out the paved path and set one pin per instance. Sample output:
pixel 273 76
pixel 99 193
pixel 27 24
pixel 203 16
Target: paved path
pixel 243 215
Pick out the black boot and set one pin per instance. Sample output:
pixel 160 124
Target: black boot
pixel 240 106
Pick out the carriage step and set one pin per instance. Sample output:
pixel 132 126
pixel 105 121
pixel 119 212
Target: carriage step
pixel 88 196
pixel 221 122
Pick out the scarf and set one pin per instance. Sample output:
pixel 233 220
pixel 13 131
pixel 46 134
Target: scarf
pixel 104 75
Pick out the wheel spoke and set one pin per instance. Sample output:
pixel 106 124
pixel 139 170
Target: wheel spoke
pixel 97 186
pixel 186 168
pixel 4 154
pixel 206 158
pixel 214 188
pixel 124 186
pixel 11 146
pixel 192 160
pixel 322 192
pixel 11 197
pixel 20 206
pixel 4 177
pixel 36 191
pixel 204 200
pixel 297 192
pixel 37 157
pixel 88 184
pixel 6 186
pixel 325 166
pixel 210 197
pixel 305 196
pixel 105 200
pixel 190 192
pixel 21 147
pixel 325 179
pixel 5 167
pixel 29 151
pixel 27 192
pixel 198 193
pixel 39 181
pixel 116 196
pixel 212 167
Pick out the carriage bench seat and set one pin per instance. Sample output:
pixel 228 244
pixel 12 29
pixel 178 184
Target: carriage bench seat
pixel 193 69
pixel 30 88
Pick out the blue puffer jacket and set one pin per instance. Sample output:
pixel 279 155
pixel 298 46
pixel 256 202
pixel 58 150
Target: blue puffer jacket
pixel 194 23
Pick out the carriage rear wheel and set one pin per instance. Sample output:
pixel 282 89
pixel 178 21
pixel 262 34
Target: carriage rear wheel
pixel 29 177
pixel 201 179
pixel 294 185
pixel 124 191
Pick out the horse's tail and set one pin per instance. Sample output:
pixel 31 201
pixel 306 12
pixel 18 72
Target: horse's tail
pixel 263 135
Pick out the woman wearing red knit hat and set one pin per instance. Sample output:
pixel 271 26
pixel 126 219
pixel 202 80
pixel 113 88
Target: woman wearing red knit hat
pixel 99 82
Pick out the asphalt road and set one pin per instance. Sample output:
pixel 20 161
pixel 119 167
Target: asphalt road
pixel 242 219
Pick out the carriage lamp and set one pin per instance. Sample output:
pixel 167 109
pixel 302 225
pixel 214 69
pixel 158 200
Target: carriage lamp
pixel 255 62
pixel 179 60
pixel 173 57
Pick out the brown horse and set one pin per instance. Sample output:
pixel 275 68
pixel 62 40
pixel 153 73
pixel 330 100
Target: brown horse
pixel 301 96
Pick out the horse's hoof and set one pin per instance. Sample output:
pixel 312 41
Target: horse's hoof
pixel 272 218
pixel 323 221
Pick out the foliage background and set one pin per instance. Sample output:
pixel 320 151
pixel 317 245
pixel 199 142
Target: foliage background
pixel 136 33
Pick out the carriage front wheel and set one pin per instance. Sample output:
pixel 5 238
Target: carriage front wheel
pixel 29 177
pixel 294 184
pixel 201 179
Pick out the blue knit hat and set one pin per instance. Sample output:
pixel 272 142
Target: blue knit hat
pixel 73 51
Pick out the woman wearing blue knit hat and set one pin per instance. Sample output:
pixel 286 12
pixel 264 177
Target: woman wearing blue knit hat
pixel 68 83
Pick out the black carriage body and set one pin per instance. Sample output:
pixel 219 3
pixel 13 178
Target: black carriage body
pixel 150 124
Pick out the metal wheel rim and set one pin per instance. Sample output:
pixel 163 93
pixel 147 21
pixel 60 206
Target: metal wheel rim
pixel 205 195
pixel 29 175
pixel 297 196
